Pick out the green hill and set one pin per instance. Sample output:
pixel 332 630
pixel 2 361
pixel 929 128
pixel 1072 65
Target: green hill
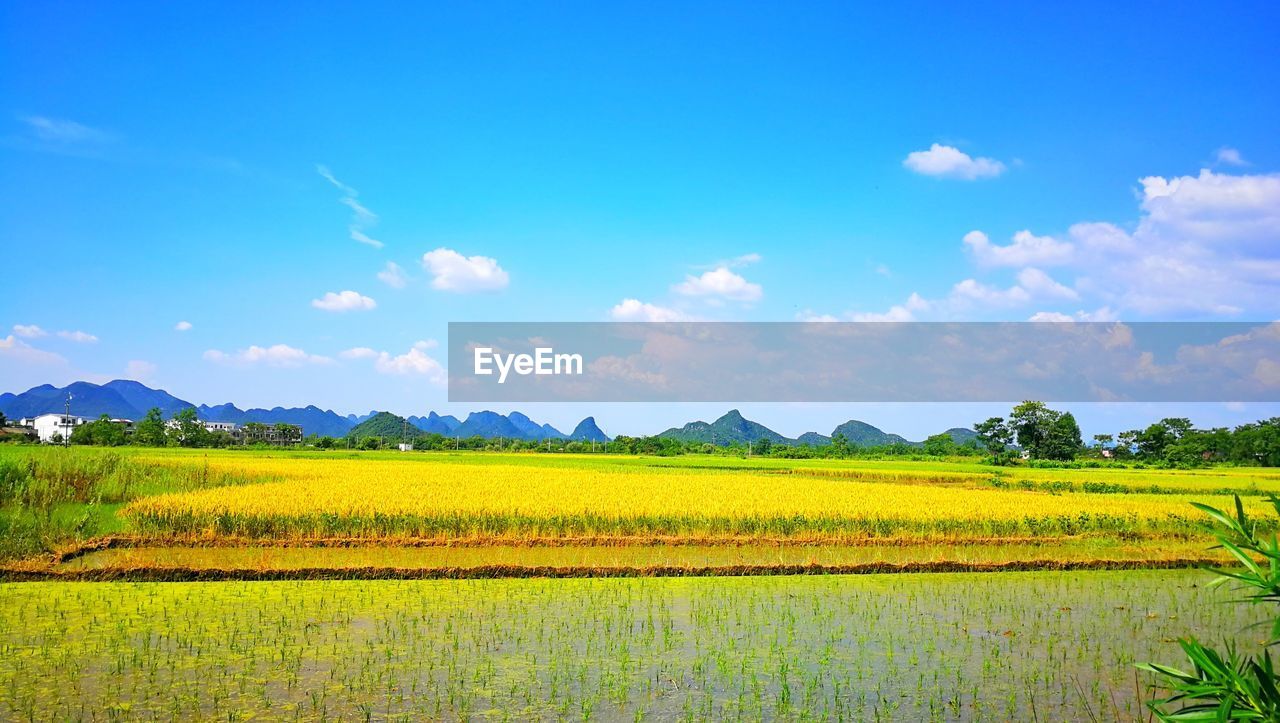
pixel 861 434
pixel 730 428
pixel 389 427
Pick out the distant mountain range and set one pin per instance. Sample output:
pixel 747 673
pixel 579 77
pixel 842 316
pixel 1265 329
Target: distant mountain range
pixel 734 428
pixel 490 425
pixel 128 399
pixel 131 400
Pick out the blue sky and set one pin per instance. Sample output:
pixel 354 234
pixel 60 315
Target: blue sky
pixel 163 164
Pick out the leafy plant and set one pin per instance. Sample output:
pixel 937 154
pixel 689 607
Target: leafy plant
pixel 1228 686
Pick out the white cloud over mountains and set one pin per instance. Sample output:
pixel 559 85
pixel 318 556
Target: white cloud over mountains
pixel 276 355
pixel 949 162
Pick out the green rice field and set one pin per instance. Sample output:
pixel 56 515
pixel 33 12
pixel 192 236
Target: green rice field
pixel 1006 646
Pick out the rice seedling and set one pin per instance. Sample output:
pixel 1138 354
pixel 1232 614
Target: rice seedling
pixel 1047 646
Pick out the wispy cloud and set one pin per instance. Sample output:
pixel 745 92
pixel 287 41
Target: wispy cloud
pixel 140 370
pixel 80 337
pixel 1228 156
pixel 182 326
pixel 57 130
pixel 392 275
pixel 361 217
pixel 29 331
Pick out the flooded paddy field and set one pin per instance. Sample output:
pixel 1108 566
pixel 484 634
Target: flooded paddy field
pixel 971 646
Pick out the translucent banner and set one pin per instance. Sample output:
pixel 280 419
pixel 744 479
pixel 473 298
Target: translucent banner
pixel 864 362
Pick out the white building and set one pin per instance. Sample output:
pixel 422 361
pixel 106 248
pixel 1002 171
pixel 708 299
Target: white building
pixel 228 427
pixel 47 425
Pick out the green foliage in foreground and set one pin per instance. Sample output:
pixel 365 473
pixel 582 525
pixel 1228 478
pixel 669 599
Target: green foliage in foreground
pixel 1228 686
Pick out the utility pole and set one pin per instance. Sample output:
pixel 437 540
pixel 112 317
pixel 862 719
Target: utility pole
pixel 66 418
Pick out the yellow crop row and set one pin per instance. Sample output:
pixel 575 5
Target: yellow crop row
pixel 390 498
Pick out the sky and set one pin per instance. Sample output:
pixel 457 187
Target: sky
pixel 277 204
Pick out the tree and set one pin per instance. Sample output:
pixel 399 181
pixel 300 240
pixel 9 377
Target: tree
pixel 995 436
pixel 150 430
pixel 840 444
pixel 188 431
pixel 940 445
pixel 1062 441
pixel 1257 443
pixel 1103 441
pixel 1031 423
pixel 1126 441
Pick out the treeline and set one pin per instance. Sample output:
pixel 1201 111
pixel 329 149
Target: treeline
pixel 183 430
pixel 839 448
pixel 1041 433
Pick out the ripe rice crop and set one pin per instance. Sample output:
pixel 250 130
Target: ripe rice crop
pixel 412 499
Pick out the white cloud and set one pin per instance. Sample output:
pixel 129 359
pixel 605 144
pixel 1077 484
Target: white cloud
pixel 948 162
pixel 63 131
pixel 1101 314
pixel 139 370
pixel 1040 285
pixel 719 283
pixel 344 301
pixel 11 347
pixel 1204 245
pixel 451 271
pixel 812 316
pixel 182 326
pixel 905 311
pixel 78 336
pixel 277 355
pixel 29 331
pixel 361 217
pixel 416 361
pixel 1027 249
pixel 392 275
pixel 1228 156
pixel 636 310
pixel 974 290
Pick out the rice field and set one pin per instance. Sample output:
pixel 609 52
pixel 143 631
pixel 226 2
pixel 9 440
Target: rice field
pixel 1002 646
pixel 608 588
pixel 389 498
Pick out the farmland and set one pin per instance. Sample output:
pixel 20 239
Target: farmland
pixel 321 586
